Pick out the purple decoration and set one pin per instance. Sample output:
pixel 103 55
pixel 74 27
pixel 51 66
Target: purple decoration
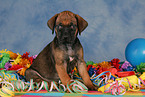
pixel 125 66
pixel 34 57
pixel 8 65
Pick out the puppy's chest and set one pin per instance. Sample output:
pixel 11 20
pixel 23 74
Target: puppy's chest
pixel 70 54
pixel 71 60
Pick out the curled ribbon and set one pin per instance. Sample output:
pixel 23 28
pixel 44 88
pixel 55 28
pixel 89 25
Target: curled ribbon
pixel 116 89
pixel 8 88
pixel 76 86
pixel 97 80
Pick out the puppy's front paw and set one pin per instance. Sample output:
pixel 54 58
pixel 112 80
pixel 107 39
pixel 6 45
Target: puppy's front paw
pixel 95 88
pixel 92 87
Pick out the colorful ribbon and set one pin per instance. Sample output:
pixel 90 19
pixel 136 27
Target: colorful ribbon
pixel 10 83
pixel 101 78
pixel 116 89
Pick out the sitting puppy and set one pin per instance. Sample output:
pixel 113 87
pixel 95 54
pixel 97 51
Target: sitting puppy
pixel 65 52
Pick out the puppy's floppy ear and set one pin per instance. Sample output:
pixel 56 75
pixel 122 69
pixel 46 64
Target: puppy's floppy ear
pixel 51 22
pixel 82 24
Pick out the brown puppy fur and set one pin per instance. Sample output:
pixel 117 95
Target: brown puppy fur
pixel 65 52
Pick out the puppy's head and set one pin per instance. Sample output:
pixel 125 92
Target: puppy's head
pixel 67 25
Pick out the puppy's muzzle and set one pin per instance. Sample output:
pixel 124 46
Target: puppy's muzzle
pixel 67 39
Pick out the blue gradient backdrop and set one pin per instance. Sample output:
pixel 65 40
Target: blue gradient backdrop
pixel 112 25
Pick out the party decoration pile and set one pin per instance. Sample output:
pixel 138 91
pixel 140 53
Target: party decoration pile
pixel 113 77
pixel 13 67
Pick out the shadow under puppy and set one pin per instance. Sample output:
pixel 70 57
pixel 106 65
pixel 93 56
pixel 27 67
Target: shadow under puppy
pixel 65 52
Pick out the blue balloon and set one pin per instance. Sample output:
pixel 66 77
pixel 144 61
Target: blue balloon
pixel 135 52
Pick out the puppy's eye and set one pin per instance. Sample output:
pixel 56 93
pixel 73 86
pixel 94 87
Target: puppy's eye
pixel 59 27
pixel 71 26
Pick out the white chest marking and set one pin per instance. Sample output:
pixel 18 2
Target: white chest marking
pixel 71 58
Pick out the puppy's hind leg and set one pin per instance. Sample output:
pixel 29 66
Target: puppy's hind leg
pixel 32 74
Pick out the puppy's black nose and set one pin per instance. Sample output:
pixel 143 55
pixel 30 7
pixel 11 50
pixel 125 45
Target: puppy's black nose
pixel 65 38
